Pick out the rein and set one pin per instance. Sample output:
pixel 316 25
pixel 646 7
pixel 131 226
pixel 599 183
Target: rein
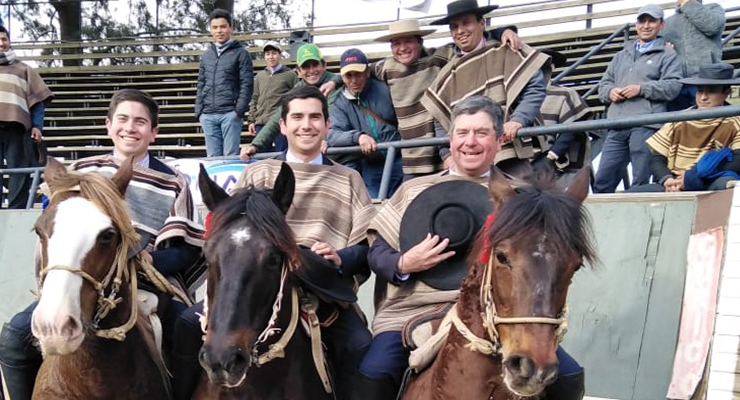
pixel 491 319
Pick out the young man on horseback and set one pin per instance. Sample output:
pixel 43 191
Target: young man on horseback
pixel 161 208
pixel 330 213
pixel 477 125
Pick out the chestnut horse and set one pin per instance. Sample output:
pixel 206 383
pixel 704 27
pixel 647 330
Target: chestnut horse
pixel 253 347
pixel 511 309
pixel 87 321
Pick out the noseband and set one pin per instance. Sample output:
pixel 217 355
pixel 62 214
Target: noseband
pixel 491 319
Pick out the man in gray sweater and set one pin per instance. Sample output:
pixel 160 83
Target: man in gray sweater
pixel 641 79
pixel 695 32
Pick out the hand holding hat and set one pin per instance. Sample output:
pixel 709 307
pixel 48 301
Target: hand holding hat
pixel 427 254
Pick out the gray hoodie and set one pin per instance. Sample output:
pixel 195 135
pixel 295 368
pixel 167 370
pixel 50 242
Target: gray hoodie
pixel 657 71
pixel 696 31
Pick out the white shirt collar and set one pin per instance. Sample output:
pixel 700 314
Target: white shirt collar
pixel 289 157
pixel 144 162
pixel 453 172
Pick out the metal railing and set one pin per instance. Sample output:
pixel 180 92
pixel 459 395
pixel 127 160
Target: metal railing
pixel 393 147
pixel 624 29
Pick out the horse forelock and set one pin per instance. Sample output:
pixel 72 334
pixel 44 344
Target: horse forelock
pixel 255 208
pixel 541 209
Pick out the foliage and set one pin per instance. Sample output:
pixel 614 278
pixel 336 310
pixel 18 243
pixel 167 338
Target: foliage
pixel 41 21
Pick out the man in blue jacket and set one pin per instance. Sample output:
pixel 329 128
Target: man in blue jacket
pixel 363 115
pixel 641 79
pixel 225 84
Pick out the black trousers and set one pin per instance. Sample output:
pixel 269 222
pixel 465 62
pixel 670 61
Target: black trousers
pixel 13 142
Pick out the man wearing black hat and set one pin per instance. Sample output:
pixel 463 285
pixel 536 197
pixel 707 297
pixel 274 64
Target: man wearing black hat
pixel 703 154
pixel 363 115
pixel 563 105
pixel 474 68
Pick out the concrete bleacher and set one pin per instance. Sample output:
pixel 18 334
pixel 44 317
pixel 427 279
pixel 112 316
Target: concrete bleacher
pixel 75 128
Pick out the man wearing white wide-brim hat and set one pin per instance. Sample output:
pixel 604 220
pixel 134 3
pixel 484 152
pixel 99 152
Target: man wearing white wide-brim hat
pixel 408 73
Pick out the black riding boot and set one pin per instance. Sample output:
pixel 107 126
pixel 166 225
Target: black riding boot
pixel 186 372
pixel 19 362
pixel 567 387
pixel 365 388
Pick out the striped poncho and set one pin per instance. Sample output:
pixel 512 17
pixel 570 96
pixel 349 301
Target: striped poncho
pixel 684 143
pixel 411 297
pixel 330 203
pixel 407 85
pixel 20 89
pixel 495 71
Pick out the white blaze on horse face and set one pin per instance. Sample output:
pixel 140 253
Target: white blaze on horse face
pixel 56 322
pixel 240 236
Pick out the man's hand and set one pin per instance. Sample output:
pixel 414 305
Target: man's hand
pixel 36 134
pixel 425 255
pixel 511 39
pixel 324 146
pixel 327 88
pixel 251 129
pixel 616 95
pixel 247 152
pixel 147 257
pixel 367 143
pixel 631 91
pixel 670 45
pixel 673 184
pixel 510 130
pixel 328 252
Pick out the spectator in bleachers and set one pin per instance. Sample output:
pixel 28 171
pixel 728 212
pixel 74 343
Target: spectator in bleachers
pixel 362 115
pixel 480 65
pixel 640 79
pixel 311 71
pixel 22 97
pixel 703 154
pixel 225 82
pixel 270 85
pixel 408 73
pixel 695 32
pixel 562 105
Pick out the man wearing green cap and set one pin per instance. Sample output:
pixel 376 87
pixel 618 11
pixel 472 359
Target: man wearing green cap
pixel 312 71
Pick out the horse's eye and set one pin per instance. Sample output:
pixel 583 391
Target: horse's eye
pixel 106 237
pixel 502 259
pixel 275 259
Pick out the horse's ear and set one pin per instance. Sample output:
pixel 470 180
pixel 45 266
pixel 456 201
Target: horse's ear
pixel 284 188
pixel 578 189
pixel 211 193
pixel 500 188
pixel 53 170
pixel 123 176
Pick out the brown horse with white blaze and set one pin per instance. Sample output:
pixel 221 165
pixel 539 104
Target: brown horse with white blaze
pixel 86 321
pixel 512 304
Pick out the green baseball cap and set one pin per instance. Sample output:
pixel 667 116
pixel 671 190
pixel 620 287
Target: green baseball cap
pixel 308 51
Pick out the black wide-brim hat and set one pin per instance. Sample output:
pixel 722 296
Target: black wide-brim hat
pixel 454 210
pixel 324 278
pixel 557 58
pixel 462 7
pixel 713 74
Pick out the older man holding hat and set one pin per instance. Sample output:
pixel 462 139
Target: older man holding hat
pixel 420 241
pixel 408 73
pixel 703 154
pixel 362 115
pixel 270 85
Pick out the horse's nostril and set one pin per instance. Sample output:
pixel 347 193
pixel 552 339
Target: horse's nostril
pixel 237 362
pixel 520 366
pixel 71 327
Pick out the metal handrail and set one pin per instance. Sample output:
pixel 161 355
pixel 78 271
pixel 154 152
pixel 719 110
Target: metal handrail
pixel 392 147
pixel 730 36
pixel 593 51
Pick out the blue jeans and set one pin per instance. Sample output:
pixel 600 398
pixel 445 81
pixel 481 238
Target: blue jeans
pixel 621 147
pixel 222 133
pixel 372 174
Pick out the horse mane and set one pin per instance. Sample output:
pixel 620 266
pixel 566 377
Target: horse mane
pixel 263 215
pixel 101 191
pixel 539 204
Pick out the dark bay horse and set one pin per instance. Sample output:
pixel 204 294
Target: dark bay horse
pixel 253 347
pixel 86 320
pixel 511 309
